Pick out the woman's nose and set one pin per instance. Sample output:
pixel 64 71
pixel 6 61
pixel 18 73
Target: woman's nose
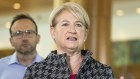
pixel 72 29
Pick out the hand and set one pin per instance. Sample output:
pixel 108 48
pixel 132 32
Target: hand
pixel 122 77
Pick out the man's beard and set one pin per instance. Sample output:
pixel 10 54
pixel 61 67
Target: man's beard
pixel 26 52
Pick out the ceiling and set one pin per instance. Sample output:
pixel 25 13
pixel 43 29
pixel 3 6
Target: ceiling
pixel 126 27
pixel 40 10
pixel 6 6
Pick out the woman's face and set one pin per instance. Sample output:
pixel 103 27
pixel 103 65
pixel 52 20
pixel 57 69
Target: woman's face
pixel 69 33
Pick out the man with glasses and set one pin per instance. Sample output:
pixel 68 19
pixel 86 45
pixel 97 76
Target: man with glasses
pixel 24 38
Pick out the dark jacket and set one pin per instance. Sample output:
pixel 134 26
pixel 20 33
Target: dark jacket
pixel 56 67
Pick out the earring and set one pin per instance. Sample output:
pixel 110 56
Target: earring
pixel 84 40
pixel 84 47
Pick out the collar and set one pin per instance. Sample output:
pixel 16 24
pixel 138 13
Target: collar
pixel 14 60
pixel 54 56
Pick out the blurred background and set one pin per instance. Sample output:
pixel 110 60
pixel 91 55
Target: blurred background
pixel 114 36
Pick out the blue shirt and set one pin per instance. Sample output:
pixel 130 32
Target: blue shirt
pixel 10 68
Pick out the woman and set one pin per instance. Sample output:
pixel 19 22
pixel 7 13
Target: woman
pixel 69 29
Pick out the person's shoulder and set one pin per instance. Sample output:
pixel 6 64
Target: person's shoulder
pixel 93 61
pixel 98 64
pixel 37 65
pixel 5 60
pixel 104 68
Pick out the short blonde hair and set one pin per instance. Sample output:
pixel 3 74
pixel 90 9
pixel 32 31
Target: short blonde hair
pixel 75 9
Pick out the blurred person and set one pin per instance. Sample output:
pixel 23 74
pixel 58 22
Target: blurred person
pixel 24 38
pixel 69 26
pixel 121 77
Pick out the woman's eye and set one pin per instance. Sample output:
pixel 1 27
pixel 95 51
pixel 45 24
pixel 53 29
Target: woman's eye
pixel 79 25
pixel 66 24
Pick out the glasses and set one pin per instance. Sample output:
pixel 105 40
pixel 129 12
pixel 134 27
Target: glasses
pixel 28 33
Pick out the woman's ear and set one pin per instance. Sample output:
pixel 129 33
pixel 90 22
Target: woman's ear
pixel 52 31
pixel 86 35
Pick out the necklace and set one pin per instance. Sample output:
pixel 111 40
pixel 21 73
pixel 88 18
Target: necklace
pixel 76 67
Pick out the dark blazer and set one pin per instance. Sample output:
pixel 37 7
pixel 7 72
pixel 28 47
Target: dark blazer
pixel 56 67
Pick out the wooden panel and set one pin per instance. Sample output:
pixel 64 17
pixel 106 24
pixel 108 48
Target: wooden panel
pixel 129 72
pixel 6 52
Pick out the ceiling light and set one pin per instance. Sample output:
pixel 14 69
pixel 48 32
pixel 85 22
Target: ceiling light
pixel 120 13
pixel 7 24
pixel 16 6
pixel 138 10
